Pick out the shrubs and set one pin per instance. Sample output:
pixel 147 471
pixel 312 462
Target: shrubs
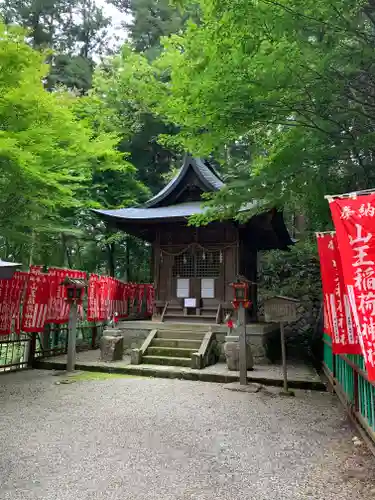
pixel 294 274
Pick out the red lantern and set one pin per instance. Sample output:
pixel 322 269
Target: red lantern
pixel 241 293
pixel 75 289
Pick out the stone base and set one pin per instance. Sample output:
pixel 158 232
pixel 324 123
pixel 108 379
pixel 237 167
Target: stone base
pixel 251 387
pixel 135 357
pixel 111 348
pixel 135 332
pixel 232 355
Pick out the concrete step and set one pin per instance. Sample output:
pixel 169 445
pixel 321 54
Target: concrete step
pixel 174 352
pixel 176 325
pixel 191 344
pixel 208 312
pixel 191 318
pixel 180 334
pixel 166 360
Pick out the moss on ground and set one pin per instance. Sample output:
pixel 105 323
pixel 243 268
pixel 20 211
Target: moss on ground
pixel 92 376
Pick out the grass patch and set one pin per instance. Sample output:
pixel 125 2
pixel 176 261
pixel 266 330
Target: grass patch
pixel 84 376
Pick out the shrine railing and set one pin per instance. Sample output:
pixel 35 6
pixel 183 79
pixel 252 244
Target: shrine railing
pixel 348 377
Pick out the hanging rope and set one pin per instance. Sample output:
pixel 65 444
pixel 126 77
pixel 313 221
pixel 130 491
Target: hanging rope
pixel 196 245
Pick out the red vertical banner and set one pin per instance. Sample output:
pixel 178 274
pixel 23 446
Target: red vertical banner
pixel 132 296
pixel 140 295
pixel 5 306
pixel 21 279
pixel 354 219
pixel 92 298
pixel 56 303
pixel 125 298
pixel 337 313
pixel 35 306
pixel 323 242
pixel 150 299
pixel 58 307
pixel 103 298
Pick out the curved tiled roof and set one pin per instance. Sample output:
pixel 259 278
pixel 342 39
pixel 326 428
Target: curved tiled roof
pixel 141 213
pixel 178 211
pixel 204 172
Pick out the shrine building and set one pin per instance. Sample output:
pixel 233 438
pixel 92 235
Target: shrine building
pixel 193 267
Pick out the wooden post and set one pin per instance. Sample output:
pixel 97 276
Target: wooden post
pixel 45 336
pixel 94 336
pixel 283 356
pixel 31 355
pixel 72 333
pixel 286 391
pixel 243 344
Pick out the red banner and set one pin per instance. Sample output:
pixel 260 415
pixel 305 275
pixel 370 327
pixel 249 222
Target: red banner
pixel 35 307
pixel 150 300
pixel 140 295
pixel 58 307
pixel 355 228
pixel 337 314
pixel 11 292
pixel 21 280
pixel 92 298
pixel 108 298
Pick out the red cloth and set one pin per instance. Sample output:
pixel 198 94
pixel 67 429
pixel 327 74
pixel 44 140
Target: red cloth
pixel 354 220
pixel 35 306
pixel 337 313
pixel 11 292
pixel 58 307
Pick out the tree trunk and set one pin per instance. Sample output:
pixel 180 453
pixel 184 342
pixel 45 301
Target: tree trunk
pixel 111 259
pixel 127 276
pixel 67 258
pixel 32 248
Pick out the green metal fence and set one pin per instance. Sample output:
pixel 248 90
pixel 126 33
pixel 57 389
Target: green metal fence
pixel 18 352
pixel 348 377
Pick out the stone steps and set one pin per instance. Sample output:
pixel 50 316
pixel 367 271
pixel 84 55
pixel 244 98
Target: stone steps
pixel 173 352
pixel 180 335
pixel 166 360
pixel 191 318
pixel 179 343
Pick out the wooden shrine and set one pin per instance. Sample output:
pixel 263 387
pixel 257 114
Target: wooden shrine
pixel 194 266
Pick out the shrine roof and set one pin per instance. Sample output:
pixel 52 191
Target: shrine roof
pixel 202 169
pixel 179 211
pixel 3 263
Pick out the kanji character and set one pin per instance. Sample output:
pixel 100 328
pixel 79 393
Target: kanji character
pixel 366 210
pixel 367 303
pixel 347 212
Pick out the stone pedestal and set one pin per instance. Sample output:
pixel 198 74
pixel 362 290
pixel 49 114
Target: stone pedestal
pixel 111 346
pixel 232 353
pixel 135 357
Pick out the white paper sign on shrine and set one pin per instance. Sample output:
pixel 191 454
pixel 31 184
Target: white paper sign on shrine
pixel 280 309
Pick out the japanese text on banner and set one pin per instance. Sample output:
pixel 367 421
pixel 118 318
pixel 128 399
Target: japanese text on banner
pixel 338 317
pixel 354 219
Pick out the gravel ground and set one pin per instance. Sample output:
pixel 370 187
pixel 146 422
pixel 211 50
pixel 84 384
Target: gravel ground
pixel 173 440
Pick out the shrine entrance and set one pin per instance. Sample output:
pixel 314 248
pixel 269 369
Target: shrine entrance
pixel 197 274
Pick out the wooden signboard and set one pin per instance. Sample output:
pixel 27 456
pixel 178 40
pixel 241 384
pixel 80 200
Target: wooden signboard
pixel 280 309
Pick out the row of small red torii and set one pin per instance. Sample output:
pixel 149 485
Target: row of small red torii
pixel 347 260
pixel 30 300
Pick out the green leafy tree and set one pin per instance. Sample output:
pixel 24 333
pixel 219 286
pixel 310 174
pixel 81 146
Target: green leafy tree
pixel 291 80
pixel 76 31
pixel 150 21
pixel 49 159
